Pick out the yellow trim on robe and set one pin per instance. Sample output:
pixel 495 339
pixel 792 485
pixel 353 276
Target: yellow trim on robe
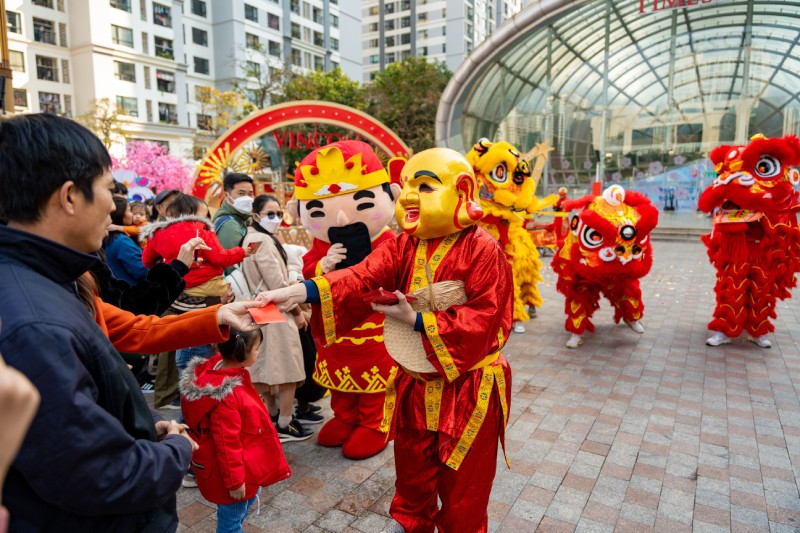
pixel 318 269
pixel 433 403
pixel 326 303
pixel 439 347
pixel 389 403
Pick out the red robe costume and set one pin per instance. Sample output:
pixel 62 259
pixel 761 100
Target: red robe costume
pixel 355 368
pixel 447 424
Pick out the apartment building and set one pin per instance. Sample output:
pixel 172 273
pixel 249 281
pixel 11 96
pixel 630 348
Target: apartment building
pixel 151 57
pixel 445 30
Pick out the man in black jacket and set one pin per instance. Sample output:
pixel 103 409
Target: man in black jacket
pixel 92 460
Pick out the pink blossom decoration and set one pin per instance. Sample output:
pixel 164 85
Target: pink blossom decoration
pixel 154 163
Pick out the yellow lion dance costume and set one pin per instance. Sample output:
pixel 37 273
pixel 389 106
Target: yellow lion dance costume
pixel 507 195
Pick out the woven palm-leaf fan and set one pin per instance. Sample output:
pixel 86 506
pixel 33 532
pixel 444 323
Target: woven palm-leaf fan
pixel 402 342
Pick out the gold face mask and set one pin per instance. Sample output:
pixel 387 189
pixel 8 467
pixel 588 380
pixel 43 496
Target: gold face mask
pixel 439 195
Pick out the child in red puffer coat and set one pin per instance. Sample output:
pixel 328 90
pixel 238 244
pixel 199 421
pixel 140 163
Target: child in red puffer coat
pixel 239 450
pixel 188 218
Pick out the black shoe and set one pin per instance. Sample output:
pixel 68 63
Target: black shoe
pixel 294 431
pixel 308 417
pixel 313 408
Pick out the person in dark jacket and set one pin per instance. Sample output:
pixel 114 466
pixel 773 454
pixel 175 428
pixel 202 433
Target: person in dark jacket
pixel 123 255
pixel 92 460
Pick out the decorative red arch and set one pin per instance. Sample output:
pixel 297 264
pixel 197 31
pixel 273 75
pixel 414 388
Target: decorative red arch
pixel 304 112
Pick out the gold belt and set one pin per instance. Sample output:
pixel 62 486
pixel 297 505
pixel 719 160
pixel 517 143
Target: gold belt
pixel 433 400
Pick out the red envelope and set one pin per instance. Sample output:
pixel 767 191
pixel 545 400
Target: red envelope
pixel 269 314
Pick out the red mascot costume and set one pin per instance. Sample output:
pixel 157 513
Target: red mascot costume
pixel 451 397
pixel 755 241
pixel 606 252
pixel 345 201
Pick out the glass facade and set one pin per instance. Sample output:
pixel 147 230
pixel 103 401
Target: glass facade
pixel 636 92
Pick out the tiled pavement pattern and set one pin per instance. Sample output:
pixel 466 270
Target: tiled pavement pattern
pixel 630 433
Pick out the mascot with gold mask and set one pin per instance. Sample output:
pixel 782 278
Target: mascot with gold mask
pixel 452 394
pixel 506 194
pixel 345 201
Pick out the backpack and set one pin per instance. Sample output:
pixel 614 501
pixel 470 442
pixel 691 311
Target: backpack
pixel 241 289
pixel 223 219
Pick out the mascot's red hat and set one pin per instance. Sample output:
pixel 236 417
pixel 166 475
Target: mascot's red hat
pixel 342 167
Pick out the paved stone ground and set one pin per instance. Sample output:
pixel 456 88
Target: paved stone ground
pixel 631 433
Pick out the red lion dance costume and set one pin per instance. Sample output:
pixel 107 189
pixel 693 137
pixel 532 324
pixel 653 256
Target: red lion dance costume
pixel 755 241
pixel 606 252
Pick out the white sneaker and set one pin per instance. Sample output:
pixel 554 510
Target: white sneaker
pixel 636 326
pixel 761 342
pixel 574 341
pixel 519 327
pixel 189 481
pixel 717 338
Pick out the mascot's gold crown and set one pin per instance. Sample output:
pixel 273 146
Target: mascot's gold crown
pixel 335 169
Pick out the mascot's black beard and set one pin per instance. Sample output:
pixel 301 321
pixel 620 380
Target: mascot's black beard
pixel 356 240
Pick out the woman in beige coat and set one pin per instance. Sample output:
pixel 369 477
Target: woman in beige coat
pixel 279 367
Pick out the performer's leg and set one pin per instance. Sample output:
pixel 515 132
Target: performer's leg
pixel 627 302
pixel 732 288
pixel 416 462
pixel 761 300
pixel 367 439
pixel 580 304
pixel 344 421
pixel 465 492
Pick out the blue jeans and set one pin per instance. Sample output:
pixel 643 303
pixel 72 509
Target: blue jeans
pixel 182 357
pixel 230 517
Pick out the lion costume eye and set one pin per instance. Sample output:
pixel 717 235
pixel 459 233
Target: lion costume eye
pixel 768 167
pixel 591 238
pixel 500 173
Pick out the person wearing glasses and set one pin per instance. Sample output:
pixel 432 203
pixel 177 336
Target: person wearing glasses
pixel 279 368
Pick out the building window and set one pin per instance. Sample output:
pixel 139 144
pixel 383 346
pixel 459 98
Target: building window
pixel 373 26
pixel 20 98
pixel 123 36
pixel 252 69
pixel 43 3
pixel 167 113
pixel 199 37
pixel 374 59
pixel 390 58
pixel 127 105
pixel 50 103
pixel 274 49
pixel 405 5
pixel 273 21
pixel 251 12
pixel 373 43
pixel 318 64
pixel 62 36
pixel 148 107
pixel 373 11
pixel 405 38
pixel 334 21
pixel 297 58
pixel 14 22
pixel 46 68
pixel 294 6
pixel 201 65
pixel 145 43
pixel 296 30
pixel 146 77
pixel 405 22
pixel 204 122
pixel 162 15
pixel 44 31
pixel 125 71
pixel 67 100
pixel 390 41
pixel 388 7
pixel 318 39
pixel 124 5
pixel 251 41
pixel 334 43
pixel 388 24
pixel 317 15
pixel 16 61
pixel 165 81
pixel 199 8
pixel 422 17
pixel 164 48
pixel 65 71
pixel 143 10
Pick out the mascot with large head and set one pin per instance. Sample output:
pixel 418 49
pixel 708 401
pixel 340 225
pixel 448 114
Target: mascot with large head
pixel 506 191
pixel 344 199
pixel 605 254
pixel 755 241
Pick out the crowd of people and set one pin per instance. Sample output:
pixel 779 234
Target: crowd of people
pixel 100 290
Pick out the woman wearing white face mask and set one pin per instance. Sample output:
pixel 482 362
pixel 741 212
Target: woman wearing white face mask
pixel 278 370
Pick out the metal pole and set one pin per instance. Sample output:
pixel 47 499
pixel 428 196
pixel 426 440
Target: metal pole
pixel 598 184
pixel 5 67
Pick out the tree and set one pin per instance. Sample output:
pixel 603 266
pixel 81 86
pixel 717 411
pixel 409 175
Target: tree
pixel 262 82
pixel 333 86
pixel 219 110
pixel 153 162
pixel 406 96
pixel 103 120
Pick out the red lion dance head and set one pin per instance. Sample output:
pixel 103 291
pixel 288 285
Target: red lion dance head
pixel 606 252
pixel 755 243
